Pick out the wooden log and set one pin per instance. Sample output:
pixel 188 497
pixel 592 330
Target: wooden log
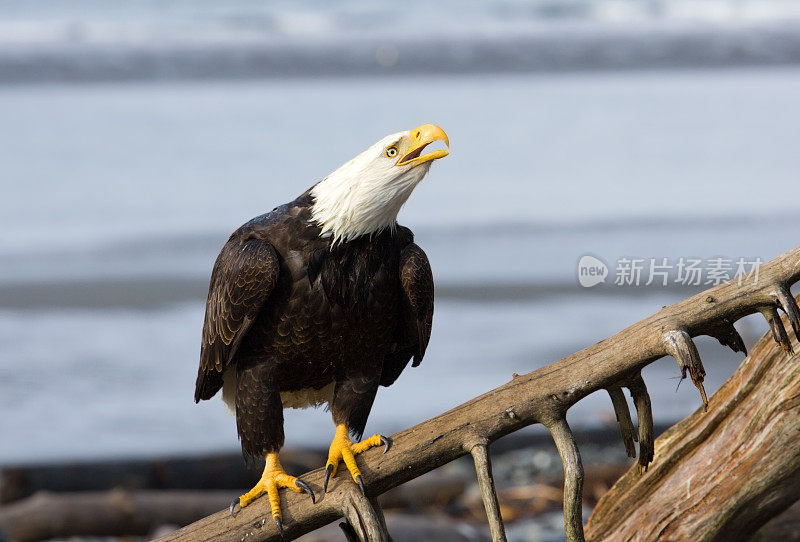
pixel 718 475
pixel 412 528
pixel 108 513
pixel 210 472
pixel 785 527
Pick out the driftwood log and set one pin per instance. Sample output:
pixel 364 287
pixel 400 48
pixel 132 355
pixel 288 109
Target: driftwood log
pixel 209 472
pixel 542 396
pixel 79 512
pixel 48 515
pixel 718 475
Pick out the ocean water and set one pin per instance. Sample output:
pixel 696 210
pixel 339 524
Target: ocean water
pixel 88 40
pixel 117 198
pixel 85 165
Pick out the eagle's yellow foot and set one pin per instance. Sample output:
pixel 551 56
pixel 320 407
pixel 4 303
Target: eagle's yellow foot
pixel 343 449
pixel 273 479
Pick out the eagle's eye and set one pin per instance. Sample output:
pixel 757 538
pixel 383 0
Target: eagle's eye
pixel 391 152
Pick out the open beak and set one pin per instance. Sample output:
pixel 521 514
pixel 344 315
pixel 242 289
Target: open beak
pixel 421 137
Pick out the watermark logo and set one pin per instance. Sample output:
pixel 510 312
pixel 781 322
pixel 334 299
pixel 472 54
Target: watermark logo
pixel 663 271
pixel 591 271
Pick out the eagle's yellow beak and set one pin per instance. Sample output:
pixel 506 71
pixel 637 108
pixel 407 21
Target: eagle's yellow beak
pixel 420 138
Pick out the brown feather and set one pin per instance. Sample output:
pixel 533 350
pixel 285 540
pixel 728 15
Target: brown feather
pixel 289 312
pixel 244 275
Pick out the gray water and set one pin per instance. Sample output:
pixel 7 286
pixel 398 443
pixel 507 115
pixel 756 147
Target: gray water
pixel 88 40
pixel 117 198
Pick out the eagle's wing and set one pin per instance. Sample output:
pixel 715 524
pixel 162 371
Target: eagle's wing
pixel 416 280
pixel 244 275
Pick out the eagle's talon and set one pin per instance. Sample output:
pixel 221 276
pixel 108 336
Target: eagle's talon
pixel 279 523
pixel 344 449
pixel 233 509
pixel 328 472
pixel 360 483
pixel 304 486
pixel 387 442
pixel 272 481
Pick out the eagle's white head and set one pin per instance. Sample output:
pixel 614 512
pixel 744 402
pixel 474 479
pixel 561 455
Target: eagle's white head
pixel 366 193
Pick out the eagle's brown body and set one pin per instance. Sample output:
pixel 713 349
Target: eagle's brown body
pixel 289 311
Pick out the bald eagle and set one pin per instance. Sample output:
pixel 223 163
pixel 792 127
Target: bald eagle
pixel 319 302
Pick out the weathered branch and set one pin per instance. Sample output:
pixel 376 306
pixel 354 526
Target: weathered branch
pixel 784 299
pixel 681 347
pixel 718 475
pixel 727 335
pixel 644 411
pixel 541 396
pixel 624 418
pixel 365 517
pixel 779 334
pixel 483 469
pixel 573 478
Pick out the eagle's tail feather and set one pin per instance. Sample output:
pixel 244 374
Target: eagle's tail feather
pixel 207 385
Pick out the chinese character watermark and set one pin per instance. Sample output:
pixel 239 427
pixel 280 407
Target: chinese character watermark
pixel 684 271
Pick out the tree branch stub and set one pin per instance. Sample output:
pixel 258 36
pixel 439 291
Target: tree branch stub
pixel 483 470
pixel 573 478
pixel 623 415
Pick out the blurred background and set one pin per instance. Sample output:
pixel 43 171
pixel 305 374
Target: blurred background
pixel 134 137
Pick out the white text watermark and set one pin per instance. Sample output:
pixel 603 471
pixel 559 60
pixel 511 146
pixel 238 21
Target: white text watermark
pixel 684 271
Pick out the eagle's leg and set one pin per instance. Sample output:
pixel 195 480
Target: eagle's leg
pixel 352 401
pixel 273 478
pixel 343 449
pixel 259 420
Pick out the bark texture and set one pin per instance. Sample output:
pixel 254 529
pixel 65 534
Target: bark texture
pixel 721 474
